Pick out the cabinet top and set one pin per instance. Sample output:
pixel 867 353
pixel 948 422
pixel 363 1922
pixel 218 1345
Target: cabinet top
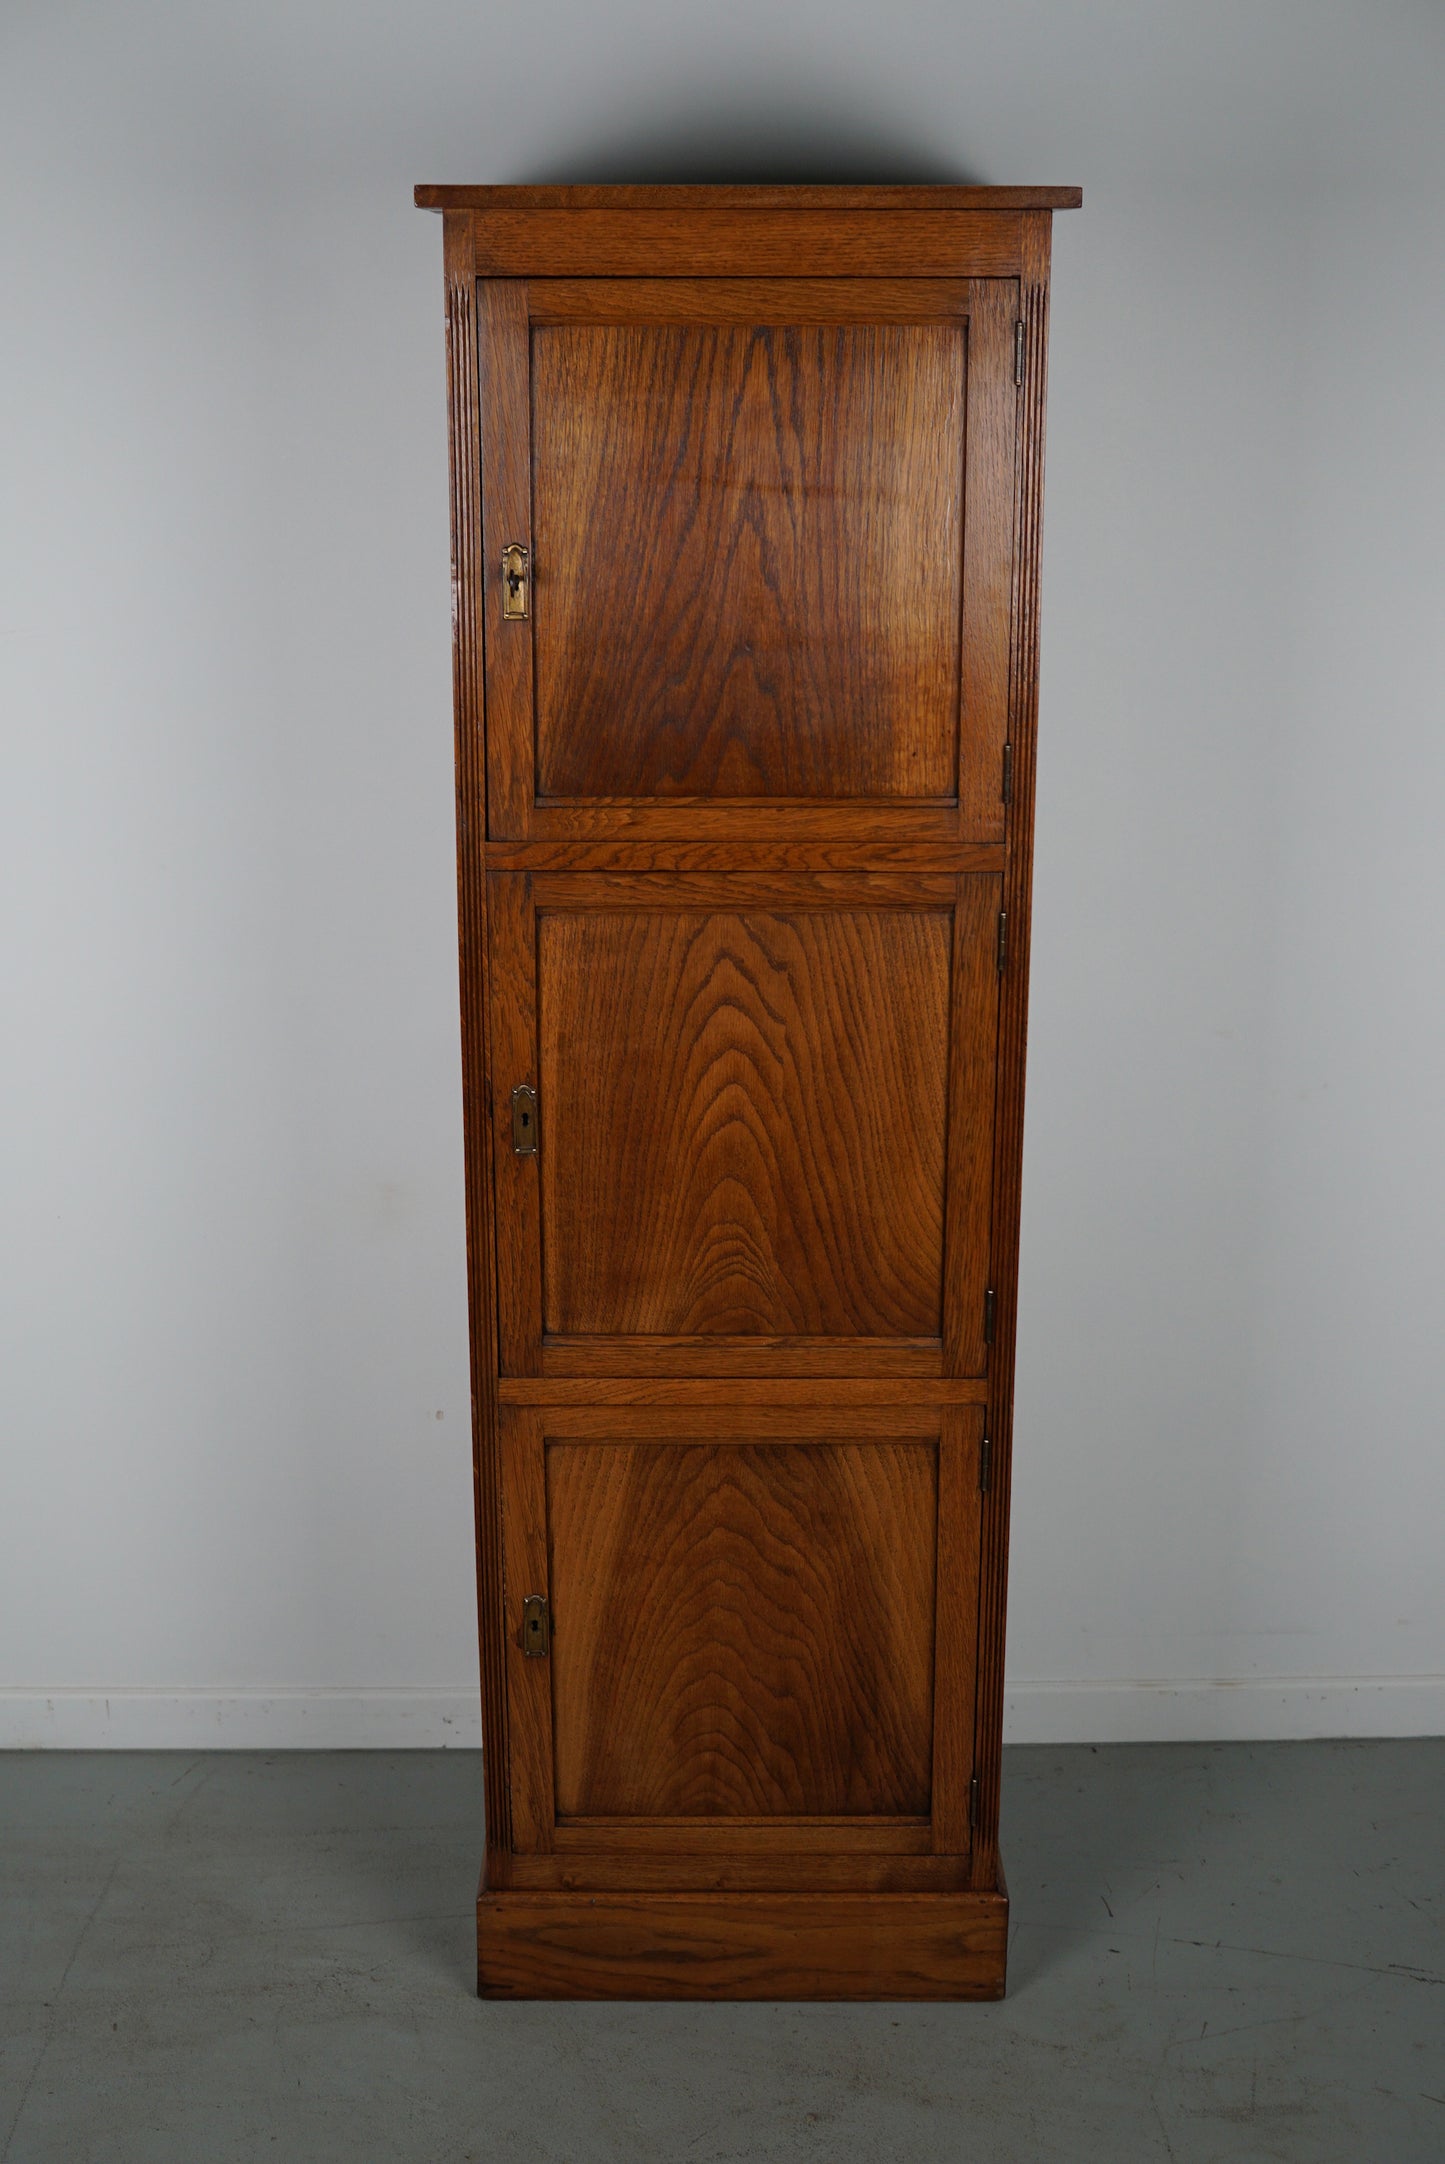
pixel 429 196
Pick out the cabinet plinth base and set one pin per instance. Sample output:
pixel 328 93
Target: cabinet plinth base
pixel 742 1945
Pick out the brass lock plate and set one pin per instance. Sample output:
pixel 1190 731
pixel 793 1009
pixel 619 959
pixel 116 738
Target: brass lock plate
pixel 524 1120
pixel 536 1629
pixel 514 580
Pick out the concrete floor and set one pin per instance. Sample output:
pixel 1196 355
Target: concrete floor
pixel 1227 1953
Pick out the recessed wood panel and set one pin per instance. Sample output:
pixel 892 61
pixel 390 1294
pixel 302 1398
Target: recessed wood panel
pixel 748 546
pixel 743 1121
pixel 742 1629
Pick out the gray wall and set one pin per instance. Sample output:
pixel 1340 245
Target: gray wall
pixel 234 1446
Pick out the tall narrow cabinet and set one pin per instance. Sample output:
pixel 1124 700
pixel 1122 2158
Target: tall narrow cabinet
pixel 746 490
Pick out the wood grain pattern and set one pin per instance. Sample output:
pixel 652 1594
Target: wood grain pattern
pixel 517 1182
pixel 601 1391
pixel 504 378
pixel 463 425
pixel 731 1357
pixel 794 195
pixel 699 819
pixel 825 1412
pixel 742 1628
pixel 973 1054
pixel 988 556
pixel 740 889
pixel 955 1652
pixel 775 610
pixel 745 856
pixel 822 1866
pixel 742 1946
pixel 743 1122
pixel 736 1450
pixel 748 301
pixel 529 1681
pixel 745 242
pixel 1013 1041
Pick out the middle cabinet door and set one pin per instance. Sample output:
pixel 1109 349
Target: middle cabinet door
pixel 743 1122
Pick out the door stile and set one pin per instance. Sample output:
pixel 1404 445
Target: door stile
pixel 988 500
pixel 505 367
pixel 529 1675
pixel 956 1627
pixel 515 1064
pixel 972 1063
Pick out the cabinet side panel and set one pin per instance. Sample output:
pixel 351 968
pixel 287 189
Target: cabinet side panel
pixel 1013 1037
pixel 466 521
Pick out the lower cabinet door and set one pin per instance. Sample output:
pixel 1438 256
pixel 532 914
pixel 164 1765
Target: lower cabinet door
pixel 741 1643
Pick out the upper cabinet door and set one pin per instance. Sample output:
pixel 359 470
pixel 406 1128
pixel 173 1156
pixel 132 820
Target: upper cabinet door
pixel 747 544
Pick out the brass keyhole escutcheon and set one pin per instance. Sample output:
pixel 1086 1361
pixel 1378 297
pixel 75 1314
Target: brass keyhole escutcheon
pixel 514 580
pixel 524 1120
pixel 536 1633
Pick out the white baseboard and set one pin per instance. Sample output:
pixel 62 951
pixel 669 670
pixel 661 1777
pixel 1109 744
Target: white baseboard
pixel 1199 1711
pixel 389 1720
pixel 231 1720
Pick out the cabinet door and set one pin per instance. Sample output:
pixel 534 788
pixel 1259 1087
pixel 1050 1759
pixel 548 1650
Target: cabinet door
pixel 758 1636
pixel 757 1134
pixel 768 529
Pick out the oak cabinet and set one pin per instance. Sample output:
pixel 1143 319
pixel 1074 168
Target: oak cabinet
pixel 745 509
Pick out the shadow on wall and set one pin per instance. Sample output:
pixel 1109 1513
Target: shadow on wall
pixel 757 145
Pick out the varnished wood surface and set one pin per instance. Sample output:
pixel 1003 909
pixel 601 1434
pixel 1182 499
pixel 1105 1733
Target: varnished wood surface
pixel 774 610
pixel 529 1679
pixel 730 891
pixel 745 242
pixel 1013 1040
pixel 793 195
pixel 973 1055
pixel 780 1391
pixel 745 856
pixel 599 263
pixel 697 819
pixel 735 1535
pixel 742 1946
pixel 598 607
pixel 830 1358
pixel 744 1119
pixel 504 389
pixel 467 696
pixel 823 1866
pixel 823 1414
pixel 956 1633
pixel 743 1122
pixel 988 557
pixel 742 1629
pixel 751 302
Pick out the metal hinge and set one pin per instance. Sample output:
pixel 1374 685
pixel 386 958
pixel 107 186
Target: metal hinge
pixel 536 1628
pixel 1019 350
pixel 1008 773
pixel 973 1805
pixel 985 1465
pixel 990 1309
pixel 1002 940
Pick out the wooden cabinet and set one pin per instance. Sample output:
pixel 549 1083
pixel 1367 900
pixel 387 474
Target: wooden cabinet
pixel 745 508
